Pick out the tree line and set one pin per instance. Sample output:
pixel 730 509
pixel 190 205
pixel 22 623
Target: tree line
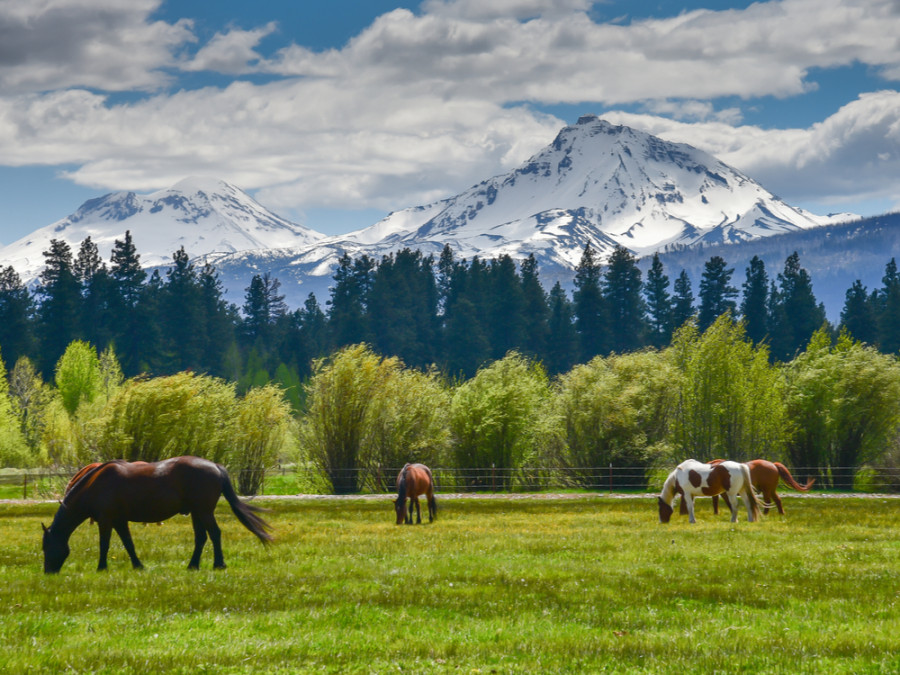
pixel 455 314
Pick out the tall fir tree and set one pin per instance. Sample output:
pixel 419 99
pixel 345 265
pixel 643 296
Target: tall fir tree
pixel 264 307
pixel 219 321
pixel 682 301
pixel 717 295
pixel 858 316
pixel 659 305
pixel 562 338
pixel 97 319
pixel 888 310
pixel 133 328
pixel 59 312
pixel 181 318
pixel 16 308
pixel 754 304
pixel 796 315
pixel 589 309
pixel 346 309
pixel 536 311
pixel 505 299
pixel 621 292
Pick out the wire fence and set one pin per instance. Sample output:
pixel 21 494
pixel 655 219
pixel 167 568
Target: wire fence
pixel 286 480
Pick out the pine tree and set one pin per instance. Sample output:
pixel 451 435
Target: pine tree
pixel 93 278
pixel 796 315
pixel 888 308
pixel 858 314
pixel 132 327
pixel 263 308
pixel 219 321
pixel 590 312
pixel 346 313
pixel 536 312
pixel 181 318
pixel 621 291
pixel 505 299
pixel 659 305
pixel 754 308
pixel 682 301
pixel 59 313
pixel 16 308
pixel 716 292
pixel 562 340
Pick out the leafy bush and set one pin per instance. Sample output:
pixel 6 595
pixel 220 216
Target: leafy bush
pixel 153 419
pixel 612 412
pixel 493 415
pixel 260 426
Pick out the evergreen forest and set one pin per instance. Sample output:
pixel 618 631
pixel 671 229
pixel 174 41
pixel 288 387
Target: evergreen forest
pixel 463 363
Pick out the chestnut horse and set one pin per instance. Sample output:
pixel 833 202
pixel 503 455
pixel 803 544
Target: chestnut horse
pixel 116 493
pixel 412 481
pixel 764 476
pixel 692 478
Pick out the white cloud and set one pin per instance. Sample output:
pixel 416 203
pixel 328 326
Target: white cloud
pixel 853 155
pixel 419 106
pixel 232 52
pixel 104 44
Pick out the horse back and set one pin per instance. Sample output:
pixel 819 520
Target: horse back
pixel 150 492
pixel 418 480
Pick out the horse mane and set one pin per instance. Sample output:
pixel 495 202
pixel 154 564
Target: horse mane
pixel 401 482
pixel 85 479
pixel 669 487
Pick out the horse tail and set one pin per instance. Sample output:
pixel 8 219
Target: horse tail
pixel 243 511
pixel 749 494
pixel 789 479
pixel 432 502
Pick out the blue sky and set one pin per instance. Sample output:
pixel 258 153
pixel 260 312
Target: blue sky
pixel 333 114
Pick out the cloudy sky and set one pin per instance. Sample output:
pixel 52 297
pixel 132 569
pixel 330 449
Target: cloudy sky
pixel 335 113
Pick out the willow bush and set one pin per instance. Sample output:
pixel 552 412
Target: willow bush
pixel 612 412
pixel 182 414
pixel 494 417
pixel 260 428
pixel 731 401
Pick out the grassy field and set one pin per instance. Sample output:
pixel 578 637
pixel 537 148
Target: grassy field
pixel 494 585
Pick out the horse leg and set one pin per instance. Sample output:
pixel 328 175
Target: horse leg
pixel 726 499
pixel 215 536
pixel 199 541
pixel 409 512
pixel 689 500
pixel 732 504
pixel 774 498
pixel 124 533
pixel 418 511
pixel 105 529
pixel 432 507
pixel 715 499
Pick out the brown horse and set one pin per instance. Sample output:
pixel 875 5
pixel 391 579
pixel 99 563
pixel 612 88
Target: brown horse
pixel 412 481
pixel 764 475
pixel 116 493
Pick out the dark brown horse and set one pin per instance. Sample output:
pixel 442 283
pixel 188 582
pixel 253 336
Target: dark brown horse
pixel 116 493
pixel 764 475
pixel 412 481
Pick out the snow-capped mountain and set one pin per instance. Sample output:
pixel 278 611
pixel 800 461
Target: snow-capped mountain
pixel 604 184
pixel 597 183
pixel 205 216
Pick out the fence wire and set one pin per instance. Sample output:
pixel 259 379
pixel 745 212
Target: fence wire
pixel 50 484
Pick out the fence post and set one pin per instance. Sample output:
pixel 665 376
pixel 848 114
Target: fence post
pixel 610 478
pixel 25 485
pixel 493 477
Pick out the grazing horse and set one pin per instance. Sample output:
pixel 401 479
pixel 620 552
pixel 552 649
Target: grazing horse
pixel 116 493
pixel 412 481
pixel 692 478
pixel 764 476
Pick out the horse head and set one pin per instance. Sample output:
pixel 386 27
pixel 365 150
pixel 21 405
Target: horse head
pixel 56 550
pixel 400 509
pixel 665 510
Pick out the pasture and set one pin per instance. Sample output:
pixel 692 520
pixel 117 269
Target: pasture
pixel 590 584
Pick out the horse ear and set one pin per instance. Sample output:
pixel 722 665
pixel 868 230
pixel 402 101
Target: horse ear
pixel 44 526
pixel 394 500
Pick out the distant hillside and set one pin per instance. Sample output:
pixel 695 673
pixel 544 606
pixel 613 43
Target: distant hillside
pixel 834 255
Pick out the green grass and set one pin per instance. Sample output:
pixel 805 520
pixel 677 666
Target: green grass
pixel 540 585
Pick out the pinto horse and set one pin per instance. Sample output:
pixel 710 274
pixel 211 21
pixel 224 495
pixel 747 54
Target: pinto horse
pixel 764 476
pixel 692 478
pixel 412 481
pixel 116 493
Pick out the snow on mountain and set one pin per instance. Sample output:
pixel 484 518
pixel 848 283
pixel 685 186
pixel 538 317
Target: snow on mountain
pixel 604 184
pixel 204 215
pixel 596 183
